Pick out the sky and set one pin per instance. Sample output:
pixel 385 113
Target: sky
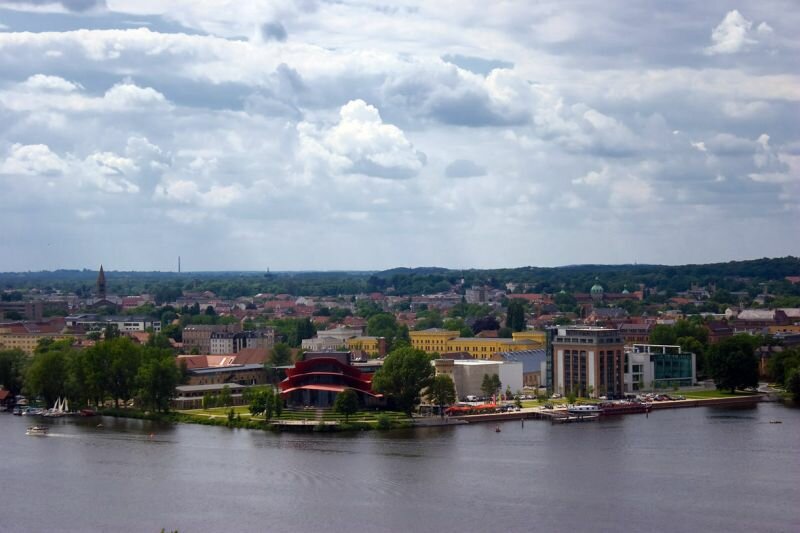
pixel 359 135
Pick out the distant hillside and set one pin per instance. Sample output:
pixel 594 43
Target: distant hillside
pixel 733 275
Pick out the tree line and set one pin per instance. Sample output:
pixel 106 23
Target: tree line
pixel 115 369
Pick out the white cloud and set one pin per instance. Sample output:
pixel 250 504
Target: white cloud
pixel 360 143
pixel 32 160
pixel 733 34
pixel 41 92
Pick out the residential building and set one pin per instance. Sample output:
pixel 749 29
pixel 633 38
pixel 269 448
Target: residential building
pixel 227 342
pixel 25 336
pixel 199 336
pixel 586 360
pixel 654 366
pixel 22 310
pixel 635 333
pixel 124 323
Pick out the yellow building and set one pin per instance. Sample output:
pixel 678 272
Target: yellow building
pixel 432 340
pixel 27 342
pixel 443 341
pixel 372 346
pixel 789 328
pixel 530 335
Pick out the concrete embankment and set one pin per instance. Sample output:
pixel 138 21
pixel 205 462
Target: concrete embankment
pixel 749 399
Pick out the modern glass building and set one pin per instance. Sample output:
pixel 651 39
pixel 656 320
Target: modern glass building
pixel 656 366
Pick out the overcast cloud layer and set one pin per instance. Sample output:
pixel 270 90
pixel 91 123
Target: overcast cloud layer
pixel 357 135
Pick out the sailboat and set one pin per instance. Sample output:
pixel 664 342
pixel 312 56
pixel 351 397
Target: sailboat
pixel 60 408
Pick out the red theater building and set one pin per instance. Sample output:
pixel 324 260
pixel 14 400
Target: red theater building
pixel 320 376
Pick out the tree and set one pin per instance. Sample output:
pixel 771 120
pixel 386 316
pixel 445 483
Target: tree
pixel 442 392
pixel 157 378
pixel 346 403
pixel 382 325
pixel 12 370
pixel 281 355
pixel 490 384
pixel 405 372
pixel 793 384
pixel 486 323
pixel 515 315
pixel 733 363
pixel 47 375
pixel 225 397
pixel 266 401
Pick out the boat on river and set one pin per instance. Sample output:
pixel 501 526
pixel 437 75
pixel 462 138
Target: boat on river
pixel 584 410
pixel 37 430
pixel 61 408
pixel 624 408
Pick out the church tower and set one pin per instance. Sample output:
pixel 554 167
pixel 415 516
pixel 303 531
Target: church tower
pixel 101 284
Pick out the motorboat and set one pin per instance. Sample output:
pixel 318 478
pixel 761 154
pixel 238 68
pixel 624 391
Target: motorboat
pixel 37 430
pixel 584 410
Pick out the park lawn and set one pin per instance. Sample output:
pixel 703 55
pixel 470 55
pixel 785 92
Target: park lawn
pixel 241 410
pixel 328 416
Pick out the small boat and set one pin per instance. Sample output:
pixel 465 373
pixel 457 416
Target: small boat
pixel 87 412
pixel 497 429
pixel 37 430
pixel 776 422
pixel 584 410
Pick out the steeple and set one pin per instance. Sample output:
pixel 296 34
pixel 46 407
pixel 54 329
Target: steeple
pixel 101 284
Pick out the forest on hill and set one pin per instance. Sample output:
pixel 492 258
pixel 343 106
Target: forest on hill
pixel 753 275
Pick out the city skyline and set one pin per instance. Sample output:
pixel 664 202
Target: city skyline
pixel 357 136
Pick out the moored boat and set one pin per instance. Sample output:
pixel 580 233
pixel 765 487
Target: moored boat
pixel 624 408
pixel 584 410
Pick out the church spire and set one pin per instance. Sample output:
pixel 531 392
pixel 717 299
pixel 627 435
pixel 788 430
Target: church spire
pixel 101 284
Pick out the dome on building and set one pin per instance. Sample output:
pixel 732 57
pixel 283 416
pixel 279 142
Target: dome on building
pixel 625 291
pixel 597 291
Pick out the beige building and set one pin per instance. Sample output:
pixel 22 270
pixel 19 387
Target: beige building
pixel 588 360
pixel 467 374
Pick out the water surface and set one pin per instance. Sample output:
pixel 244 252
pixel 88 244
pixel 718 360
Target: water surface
pixel 703 469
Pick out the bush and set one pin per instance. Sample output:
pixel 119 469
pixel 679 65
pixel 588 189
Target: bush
pixel 384 421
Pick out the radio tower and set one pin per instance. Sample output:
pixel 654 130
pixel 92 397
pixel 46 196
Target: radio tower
pixel 179 264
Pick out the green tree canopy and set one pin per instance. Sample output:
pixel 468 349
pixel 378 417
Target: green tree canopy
pixel 346 403
pixel 515 315
pixel 490 384
pixel 442 392
pixel 405 372
pixel 13 364
pixel 733 363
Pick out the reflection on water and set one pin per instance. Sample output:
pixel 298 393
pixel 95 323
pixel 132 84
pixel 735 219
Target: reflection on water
pixel 682 470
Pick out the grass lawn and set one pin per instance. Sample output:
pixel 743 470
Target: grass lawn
pixel 241 410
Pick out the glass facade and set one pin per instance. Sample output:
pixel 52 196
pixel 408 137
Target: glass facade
pixel 672 369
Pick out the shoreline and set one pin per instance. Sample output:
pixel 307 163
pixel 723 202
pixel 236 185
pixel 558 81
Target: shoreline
pixel 529 413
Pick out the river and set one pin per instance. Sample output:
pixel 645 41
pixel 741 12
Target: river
pixel 700 469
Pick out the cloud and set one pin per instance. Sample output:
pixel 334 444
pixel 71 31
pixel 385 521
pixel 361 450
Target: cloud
pixel 32 160
pixel 42 92
pixel 464 168
pixel 273 31
pixel 188 192
pixel 734 34
pixel 56 6
pixel 361 143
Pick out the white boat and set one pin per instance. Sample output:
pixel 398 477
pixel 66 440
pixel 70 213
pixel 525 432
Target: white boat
pixel 37 430
pixel 584 410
